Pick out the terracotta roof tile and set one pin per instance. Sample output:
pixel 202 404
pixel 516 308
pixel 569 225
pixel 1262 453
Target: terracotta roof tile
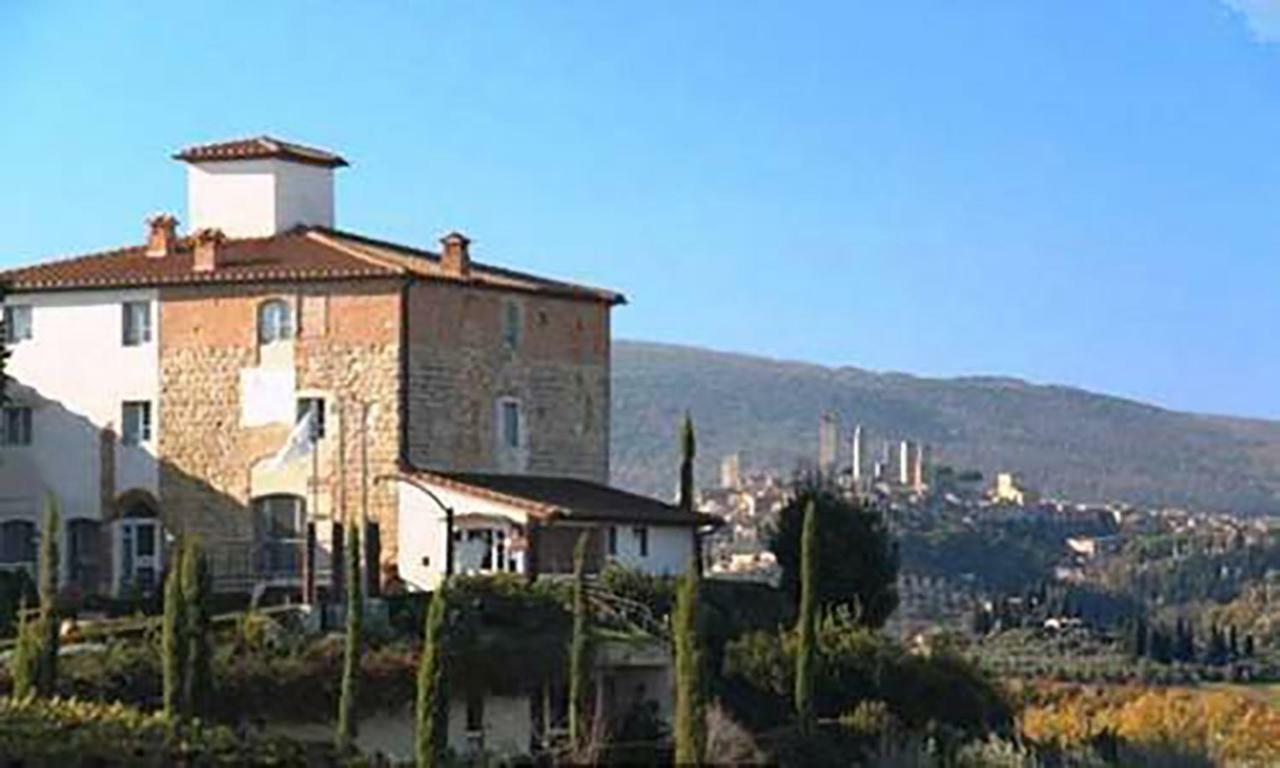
pixel 303 254
pixel 260 147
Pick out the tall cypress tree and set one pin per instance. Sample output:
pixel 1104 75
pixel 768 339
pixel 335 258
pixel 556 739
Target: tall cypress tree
pixel 172 633
pixel 579 646
pixel 347 727
pixel 47 666
pixel 197 649
pixel 432 714
pixel 690 715
pixel 806 623
pixel 688 449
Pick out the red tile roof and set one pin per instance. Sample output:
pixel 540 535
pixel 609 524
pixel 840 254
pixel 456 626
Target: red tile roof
pixel 551 498
pixel 304 254
pixel 260 147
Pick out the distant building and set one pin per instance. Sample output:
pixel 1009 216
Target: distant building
pixel 906 455
pixel 731 471
pixel 856 463
pixel 1008 491
pixel 827 441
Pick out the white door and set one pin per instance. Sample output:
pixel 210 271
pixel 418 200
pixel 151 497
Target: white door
pixel 141 548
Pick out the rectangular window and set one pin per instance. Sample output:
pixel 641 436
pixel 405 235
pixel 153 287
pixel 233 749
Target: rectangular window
pixel 17 323
pixel 613 539
pixel 511 423
pixel 312 405
pixel 136 317
pixel 642 540
pixel 135 421
pixel 511 325
pixel 16 426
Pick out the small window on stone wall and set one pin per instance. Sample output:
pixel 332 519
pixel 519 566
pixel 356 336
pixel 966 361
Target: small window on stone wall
pixel 275 321
pixel 511 323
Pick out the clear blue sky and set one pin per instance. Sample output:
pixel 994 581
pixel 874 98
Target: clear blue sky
pixel 1084 193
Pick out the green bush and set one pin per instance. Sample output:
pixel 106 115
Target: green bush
pixel 69 733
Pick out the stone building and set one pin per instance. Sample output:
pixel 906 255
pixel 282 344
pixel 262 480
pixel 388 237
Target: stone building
pixel 267 379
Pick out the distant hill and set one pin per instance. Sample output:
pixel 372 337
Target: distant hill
pixel 1063 441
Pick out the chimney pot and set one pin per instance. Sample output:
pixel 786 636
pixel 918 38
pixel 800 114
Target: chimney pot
pixel 455 258
pixel 208 250
pixel 162 235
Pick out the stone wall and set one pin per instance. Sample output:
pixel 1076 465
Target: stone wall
pixel 460 365
pixel 347 349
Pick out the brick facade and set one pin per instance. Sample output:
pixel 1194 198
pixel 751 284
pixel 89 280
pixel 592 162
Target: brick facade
pixel 347 350
pixel 460 363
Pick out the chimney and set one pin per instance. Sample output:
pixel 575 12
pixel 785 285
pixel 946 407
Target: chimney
pixel 208 250
pixel 162 235
pixel 455 259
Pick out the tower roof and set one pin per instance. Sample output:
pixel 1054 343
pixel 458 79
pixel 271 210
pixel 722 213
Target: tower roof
pixel 259 147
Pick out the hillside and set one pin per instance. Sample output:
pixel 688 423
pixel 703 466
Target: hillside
pixel 1065 441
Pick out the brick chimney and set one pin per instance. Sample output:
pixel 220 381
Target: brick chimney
pixel 455 258
pixel 162 235
pixel 208 250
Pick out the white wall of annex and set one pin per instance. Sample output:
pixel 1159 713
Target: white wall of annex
pixel 670 549
pixel 422 529
pixel 75 372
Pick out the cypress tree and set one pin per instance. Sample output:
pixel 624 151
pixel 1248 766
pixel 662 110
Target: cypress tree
pixel 347 727
pixel 47 665
pixel 432 714
pixel 806 623
pixel 690 715
pixel 579 645
pixel 197 652
pixel 172 633
pixel 688 448
pixel 22 667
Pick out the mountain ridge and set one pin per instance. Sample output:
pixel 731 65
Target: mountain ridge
pixel 1065 440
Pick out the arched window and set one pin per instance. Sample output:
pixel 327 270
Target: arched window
pixel 275 321
pixel 280 523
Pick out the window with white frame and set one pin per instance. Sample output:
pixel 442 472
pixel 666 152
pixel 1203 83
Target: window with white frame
pixel 15 428
pixel 642 540
pixel 135 323
pixel 275 321
pixel 135 422
pixel 17 323
pixel 509 423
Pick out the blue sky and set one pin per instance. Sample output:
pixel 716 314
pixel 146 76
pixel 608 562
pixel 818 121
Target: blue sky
pixel 1084 192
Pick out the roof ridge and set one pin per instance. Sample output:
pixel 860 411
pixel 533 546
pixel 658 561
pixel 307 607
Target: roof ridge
pixel 324 239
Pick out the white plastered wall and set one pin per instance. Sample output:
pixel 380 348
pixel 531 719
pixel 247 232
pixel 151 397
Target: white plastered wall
pixel 258 198
pixel 75 373
pixel 423 539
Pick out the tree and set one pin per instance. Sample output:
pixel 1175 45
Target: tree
pixel 347 727
pixel 688 449
pixel 857 558
pixel 172 634
pixel 690 715
pixel 1138 640
pixel 197 655
pixel 47 664
pixel 579 646
pixel 25 655
pixel 806 623
pixel 432 713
